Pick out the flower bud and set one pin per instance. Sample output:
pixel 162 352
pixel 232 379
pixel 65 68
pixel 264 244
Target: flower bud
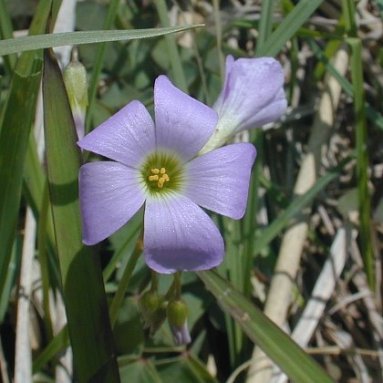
pixel 252 96
pixel 153 310
pixel 76 84
pixel 177 316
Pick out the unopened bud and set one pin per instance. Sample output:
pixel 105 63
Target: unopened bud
pixel 76 84
pixel 149 302
pixel 177 313
pixel 153 310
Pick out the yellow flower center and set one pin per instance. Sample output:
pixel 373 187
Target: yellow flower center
pixel 160 176
pixel 162 173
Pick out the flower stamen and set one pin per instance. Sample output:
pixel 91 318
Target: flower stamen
pixel 160 179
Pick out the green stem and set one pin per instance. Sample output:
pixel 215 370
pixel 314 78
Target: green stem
pixel 119 254
pixel 110 17
pixel 6 31
pixel 218 32
pixel 174 291
pixel 265 24
pixel 123 285
pixel 154 280
pixel 362 163
pixel 175 60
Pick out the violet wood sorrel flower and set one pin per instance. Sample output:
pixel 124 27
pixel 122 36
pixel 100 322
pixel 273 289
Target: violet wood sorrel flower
pixel 156 165
pixel 252 95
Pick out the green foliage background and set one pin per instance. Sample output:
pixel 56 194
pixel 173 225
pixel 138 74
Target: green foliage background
pixel 100 286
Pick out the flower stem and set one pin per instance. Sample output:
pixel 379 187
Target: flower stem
pixel 124 283
pixel 154 281
pixel 174 291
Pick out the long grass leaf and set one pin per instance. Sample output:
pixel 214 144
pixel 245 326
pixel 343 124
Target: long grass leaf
pixel 6 32
pixel 265 24
pixel 29 43
pixel 288 27
pixel 175 59
pixel 16 125
pixel 262 331
pixel 98 62
pixel 362 164
pixel 84 296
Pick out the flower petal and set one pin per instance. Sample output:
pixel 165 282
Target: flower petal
pixel 110 194
pixel 225 89
pixel 179 236
pixel 183 124
pixel 219 180
pixel 269 113
pixel 181 334
pixel 125 137
pixel 251 85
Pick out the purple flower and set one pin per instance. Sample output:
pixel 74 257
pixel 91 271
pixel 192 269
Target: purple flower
pixel 156 165
pixel 252 96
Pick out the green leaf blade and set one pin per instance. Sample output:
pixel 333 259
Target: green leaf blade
pixel 84 295
pixel 29 43
pixel 288 27
pixel 14 142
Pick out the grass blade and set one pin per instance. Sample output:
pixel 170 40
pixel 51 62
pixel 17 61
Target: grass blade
pixel 13 142
pixel 16 125
pixel 362 164
pixel 84 296
pixel 261 330
pixel 29 43
pixel 6 32
pixel 177 70
pixel 265 24
pixel 99 60
pixel 288 27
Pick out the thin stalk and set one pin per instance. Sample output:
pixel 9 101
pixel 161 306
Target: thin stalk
pixel 109 269
pixel 6 31
pixel 362 163
pixel 265 24
pixel 99 61
pixel 249 223
pixel 174 291
pixel 123 285
pixel 218 33
pixel 175 59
